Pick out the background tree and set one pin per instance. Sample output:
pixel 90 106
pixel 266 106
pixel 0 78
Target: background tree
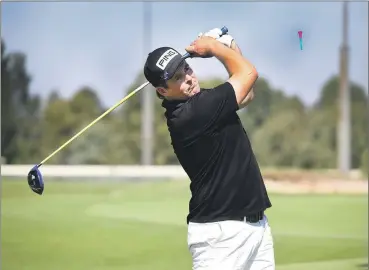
pixel 267 100
pixel 327 105
pixel 284 131
pixel 20 111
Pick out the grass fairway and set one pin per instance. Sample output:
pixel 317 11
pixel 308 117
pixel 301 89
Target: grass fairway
pixel 142 226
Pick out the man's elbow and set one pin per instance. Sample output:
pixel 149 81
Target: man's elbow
pixel 243 83
pixel 250 96
pixel 254 74
pixel 252 77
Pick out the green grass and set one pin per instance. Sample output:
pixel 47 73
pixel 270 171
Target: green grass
pixel 141 226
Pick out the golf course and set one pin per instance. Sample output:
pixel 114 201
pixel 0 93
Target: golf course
pixel 107 225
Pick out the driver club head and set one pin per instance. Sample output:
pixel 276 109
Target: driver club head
pixel 35 181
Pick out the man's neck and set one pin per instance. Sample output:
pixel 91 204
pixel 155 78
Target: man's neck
pixel 176 99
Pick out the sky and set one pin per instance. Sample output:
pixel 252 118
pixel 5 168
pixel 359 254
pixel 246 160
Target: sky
pixel 103 45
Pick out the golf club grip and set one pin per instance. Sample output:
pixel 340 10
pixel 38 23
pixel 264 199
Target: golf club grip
pixel 224 30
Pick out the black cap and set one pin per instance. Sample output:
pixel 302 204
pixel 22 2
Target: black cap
pixel 161 65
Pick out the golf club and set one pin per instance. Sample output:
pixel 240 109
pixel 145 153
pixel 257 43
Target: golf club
pixel 35 179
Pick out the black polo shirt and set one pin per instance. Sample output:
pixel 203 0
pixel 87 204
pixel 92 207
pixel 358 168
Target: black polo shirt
pixel 214 150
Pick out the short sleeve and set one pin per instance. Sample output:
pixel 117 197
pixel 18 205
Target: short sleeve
pixel 212 106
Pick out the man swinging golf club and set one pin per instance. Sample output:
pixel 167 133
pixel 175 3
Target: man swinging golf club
pixel 227 227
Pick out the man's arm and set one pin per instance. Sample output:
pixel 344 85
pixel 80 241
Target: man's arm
pixel 212 106
pixel 250 95
pixel 229 41
pixel 242 73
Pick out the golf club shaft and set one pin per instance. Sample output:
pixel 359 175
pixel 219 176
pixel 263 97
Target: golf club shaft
pixel 94 122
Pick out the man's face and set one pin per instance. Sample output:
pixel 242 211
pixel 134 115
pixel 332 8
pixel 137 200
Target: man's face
pixel 182 85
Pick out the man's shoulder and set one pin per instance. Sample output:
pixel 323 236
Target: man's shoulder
pixel 182 108
pixel 177 105
pixel 198 110
pixel 182 117
pixel 177 113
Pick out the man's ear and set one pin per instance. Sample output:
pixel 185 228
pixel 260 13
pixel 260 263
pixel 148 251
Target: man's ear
pixel 162 91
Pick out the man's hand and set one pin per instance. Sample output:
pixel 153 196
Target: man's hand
pixel 216 33
pixel 202 47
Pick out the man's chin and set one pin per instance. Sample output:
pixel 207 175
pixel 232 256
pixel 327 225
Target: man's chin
pixel 195 91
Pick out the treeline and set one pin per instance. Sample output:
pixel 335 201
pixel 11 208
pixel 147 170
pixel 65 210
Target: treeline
pixel 284 131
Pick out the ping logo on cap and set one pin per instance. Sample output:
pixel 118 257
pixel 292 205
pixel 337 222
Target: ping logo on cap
pixel 165 58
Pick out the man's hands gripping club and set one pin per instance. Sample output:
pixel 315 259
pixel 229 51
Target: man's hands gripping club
pixel 216 33
pixel 242 74
pixel 202 47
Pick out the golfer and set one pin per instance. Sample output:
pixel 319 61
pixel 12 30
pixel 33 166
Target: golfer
pixel 227 225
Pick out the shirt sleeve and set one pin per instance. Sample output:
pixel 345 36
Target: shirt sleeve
pixel 212 106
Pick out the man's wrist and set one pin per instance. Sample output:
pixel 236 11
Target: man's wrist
pixel 233 45
pixel 215 47
pixel 227 40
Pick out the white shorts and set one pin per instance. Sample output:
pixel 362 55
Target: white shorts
pixel 231 245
